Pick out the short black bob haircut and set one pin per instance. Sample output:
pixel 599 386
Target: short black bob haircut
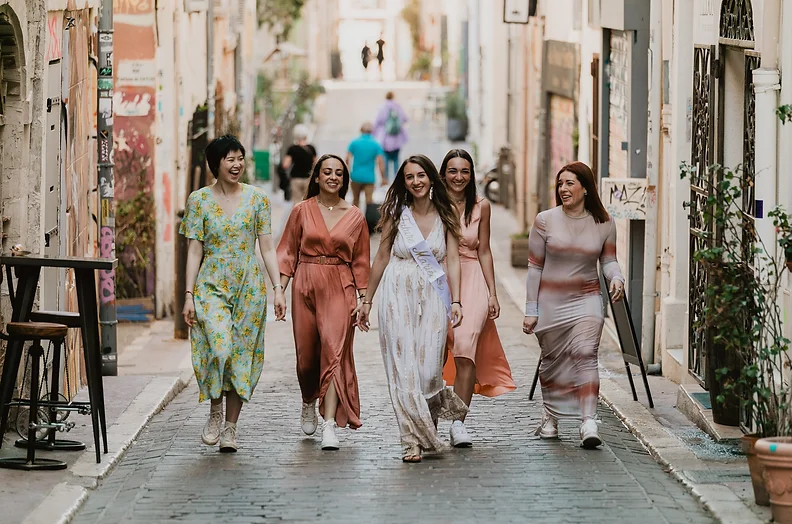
pixel 219 148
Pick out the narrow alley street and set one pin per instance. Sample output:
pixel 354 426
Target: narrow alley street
pixel 509 475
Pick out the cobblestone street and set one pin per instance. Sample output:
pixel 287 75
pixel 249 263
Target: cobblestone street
pixel 280 475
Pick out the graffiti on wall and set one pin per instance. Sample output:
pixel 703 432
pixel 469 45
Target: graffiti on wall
pixel 625 197
pixel 54 36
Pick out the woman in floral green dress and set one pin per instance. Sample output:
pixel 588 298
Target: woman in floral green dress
pixel 226 297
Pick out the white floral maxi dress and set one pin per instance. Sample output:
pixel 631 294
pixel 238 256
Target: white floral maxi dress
pixel 230 293
pixel 412 325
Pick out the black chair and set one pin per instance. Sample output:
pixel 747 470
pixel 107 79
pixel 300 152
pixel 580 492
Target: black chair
pixel 33 332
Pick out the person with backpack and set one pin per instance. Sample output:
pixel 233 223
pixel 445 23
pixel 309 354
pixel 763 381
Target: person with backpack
pixel 390 133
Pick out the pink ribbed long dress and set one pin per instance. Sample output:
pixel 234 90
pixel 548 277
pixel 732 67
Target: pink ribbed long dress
pixel 477 337
pixel 563 289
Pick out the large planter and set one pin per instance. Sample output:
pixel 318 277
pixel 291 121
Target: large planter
pixel 456 129
pixel 728 412
pixel 776 455
pixel 755 466
pixel 519 252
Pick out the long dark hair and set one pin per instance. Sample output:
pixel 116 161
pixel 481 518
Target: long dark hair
pixel 470 189
pixel 399 196
pixel 592 200
pixel 313 185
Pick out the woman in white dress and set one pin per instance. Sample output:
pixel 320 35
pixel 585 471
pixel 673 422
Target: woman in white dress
pixel 420 230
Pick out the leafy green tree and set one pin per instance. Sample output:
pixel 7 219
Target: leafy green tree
pixel 279 15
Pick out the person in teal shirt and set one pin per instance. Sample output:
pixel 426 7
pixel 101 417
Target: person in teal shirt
pixel 363 154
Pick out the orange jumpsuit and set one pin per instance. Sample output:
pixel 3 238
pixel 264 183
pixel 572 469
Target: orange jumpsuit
pixel 327 268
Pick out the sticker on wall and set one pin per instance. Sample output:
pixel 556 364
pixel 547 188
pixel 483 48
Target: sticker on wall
pixel 624 197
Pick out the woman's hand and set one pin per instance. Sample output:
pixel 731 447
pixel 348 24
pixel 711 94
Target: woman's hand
pixel 363 317
pixel 616 290
pixel 280 305
pixel 529 323
pixel 456 314
pixel 188 312
pixel 493 307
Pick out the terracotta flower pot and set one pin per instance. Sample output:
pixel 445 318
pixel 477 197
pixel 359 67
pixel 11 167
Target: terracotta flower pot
pixel 776 455
pixel 755 466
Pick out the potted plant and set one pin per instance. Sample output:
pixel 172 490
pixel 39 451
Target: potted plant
pixel 740 320
pixel 745 328
pixel 456 117
pixel 519 249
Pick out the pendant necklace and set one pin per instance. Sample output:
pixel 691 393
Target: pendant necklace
pixel 329 208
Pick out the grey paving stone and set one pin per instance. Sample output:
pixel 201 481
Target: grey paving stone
pixel 280 475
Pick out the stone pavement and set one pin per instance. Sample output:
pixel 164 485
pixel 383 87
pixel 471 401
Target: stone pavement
pixel 151 372
pixel 281 475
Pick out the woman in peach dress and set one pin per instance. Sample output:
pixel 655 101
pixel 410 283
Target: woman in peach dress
pixel 325 249
pixel 478 364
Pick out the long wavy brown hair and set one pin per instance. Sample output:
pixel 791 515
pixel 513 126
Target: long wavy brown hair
pixel 592 200
pixel 399 196
pixel 470 189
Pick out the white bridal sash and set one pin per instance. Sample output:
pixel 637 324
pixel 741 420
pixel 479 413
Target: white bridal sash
pixel 423 256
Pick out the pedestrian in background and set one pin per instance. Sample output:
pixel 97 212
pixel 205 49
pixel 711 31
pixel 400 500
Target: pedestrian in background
pixel 226 297
pixel 298 162
pixel 363 154
pixel 325 249
pixel 563 299
pixel 479 364
pixel 418 225
pixel 389 131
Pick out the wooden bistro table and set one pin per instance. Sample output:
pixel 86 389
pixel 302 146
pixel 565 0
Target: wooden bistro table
pixel 28 269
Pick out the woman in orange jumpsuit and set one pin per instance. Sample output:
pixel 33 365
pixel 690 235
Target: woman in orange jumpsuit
pixel 325 249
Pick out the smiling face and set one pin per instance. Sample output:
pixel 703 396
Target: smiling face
pixel 570 190
pixel 231 167
pixel 417 181
pixel 457 176
pixel 331 176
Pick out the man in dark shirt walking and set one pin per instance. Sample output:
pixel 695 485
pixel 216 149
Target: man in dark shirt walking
pixel 300 157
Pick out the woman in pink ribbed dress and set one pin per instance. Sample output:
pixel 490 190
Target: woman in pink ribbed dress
pixel 563 300
pixel 478 364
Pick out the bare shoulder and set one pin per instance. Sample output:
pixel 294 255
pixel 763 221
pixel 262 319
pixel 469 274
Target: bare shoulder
pixel 486 207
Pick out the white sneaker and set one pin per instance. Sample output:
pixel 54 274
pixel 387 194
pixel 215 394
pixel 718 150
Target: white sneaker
pixel 329 440
pixel 549 427
pixel 589 438
pixel 211 430
pixel 460 438
pixel 228 441
pixel 308 418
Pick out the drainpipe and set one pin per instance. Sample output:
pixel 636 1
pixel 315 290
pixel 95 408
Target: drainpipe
pixel 210 83
pixel 766 86
pixel 104 127
pixel 653 145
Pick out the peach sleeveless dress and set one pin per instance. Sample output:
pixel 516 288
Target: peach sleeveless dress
pixel 477 337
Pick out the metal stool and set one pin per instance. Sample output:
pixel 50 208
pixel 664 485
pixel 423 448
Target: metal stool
pixel 33 332
pixel 56 406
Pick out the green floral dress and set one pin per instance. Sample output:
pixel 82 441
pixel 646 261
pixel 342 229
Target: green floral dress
pixel 230 293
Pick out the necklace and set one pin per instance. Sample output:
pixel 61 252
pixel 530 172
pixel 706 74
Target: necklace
pixel 584 215
pixel 329 208
pixel 223 194
pixel 577 231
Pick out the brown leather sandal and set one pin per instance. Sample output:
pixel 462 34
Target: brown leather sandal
pixel 412 454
